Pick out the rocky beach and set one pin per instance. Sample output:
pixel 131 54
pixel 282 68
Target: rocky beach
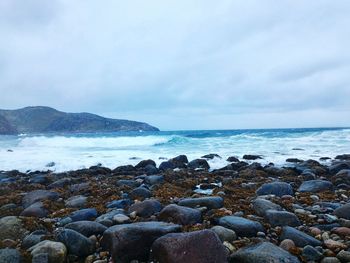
pixel 180 211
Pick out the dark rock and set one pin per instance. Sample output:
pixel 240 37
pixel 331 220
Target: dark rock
pixel 78 201
pixel 146 208
pixel 180 215
pixel 87 228
pixel 196 247
pixel 154 179
pixel 76 243
pixel 342 177
pixel 122 204
pixel 166 165
pixel 315 186
pixel 251 157
pixel 144 163
pixel 300 239
pixel 140 193
pixel 9 255
pixel 264 252
pixel 275 188
pixel 56 251
pixel 150 169
pixel 232 159
pixel 211 156
pixel 39 179
pixel 242 226
pixel 293 160
pixel 211 202
pixel 130 183
pixel 281 218
pixel 224 233
pixel 260 206
pixel 35 210
pixel 343 211
pixel 124 169
pixel 38 195
pixel 33 239
pixel 311 254
pixel 198 164
pixel 343 157
pixel 82 187
pixel 11 227
pixel 107 218
pixel 60 183
pixel 129 242
pixel 180 159
pixel 84 214
pixel 337 167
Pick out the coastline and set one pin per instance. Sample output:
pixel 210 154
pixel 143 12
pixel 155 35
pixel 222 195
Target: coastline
pixel 244 204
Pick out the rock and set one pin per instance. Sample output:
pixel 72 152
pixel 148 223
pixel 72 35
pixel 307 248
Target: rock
pixel 330 260
pixel 129 242
pixel 211 202
pixel 154 179
pixel 275 188
pixel 87 228
pixel 11 227
pixel 60 183
pixel 342 177
pixel 10 255
pixel 345 157
pixel 124 169
pixel 76 243
pixel 342 231
pixel 211 156
pixel 260 206
pixel 311 254
pixel 343 211
pixel 146 208
pixel 197 247
pixel 232 159
pixel 166 165
pixel 263 253
pixel 150 169
pixel 281 218
pixel 56 251
pixel 287 245
pixel 243 227
pixel 122 204
pixel 35 210
pixel 198 164
pixel 78 201
pixel 38 195
pixel 33 239
pixel 224 233
pixel 144 163
pixel 293 160
pixel 140 193
pixel 121 219
pixel 300 239
pixel 344 256
pixel 130 183
pixel 334 245
pixel 314 186
pixel 180 215
pixel 82 187
pixel 251 157
pixel 107 218
pixel 335 168
pixel 84 214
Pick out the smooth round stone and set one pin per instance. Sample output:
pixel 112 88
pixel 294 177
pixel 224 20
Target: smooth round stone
pixel 315 231
pixel 224 233
pixel 77 244
pixel 334 245
pixel 344 256
pixel 11 227
pixel 330 260
pixel 10 255
pixel 311 254
pixel 342 231
pixel 243 227
pixel 56 251
pixel 287 244
pixel 78 201
pixel 121 219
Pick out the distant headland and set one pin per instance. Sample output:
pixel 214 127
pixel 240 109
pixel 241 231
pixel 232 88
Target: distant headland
pixel 40 119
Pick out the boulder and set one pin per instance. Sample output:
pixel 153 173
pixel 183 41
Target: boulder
pixel 343 211
pixel 314 186
pixel 167 165
pixel 311 254
pixel 38 195
pixel 281 218
pixel 251 157
pixel 107 218
pixel 146 208
pixel 211 202
pixel 33 238
pixel 232 159
pixel 122 204
pixel 35 210
pixel 224 233
pixel 129 242
pixel 87 228
pixel 243 227
pixel 84 214
pixel 140 193
pixel 180 215
pixel 196 247
pixel 78 201
pixel 211 156
pixel 300 238
pixel 154 179
pixel 275 188
pixel 76 243
pixel 198 164
pixel 144 163
pixel 56 251
pixel 11 227
pixel 10 255
pixel 260 206
pixel 127 182
pixel 150 169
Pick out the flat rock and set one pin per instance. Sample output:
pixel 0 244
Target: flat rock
pixel 211 202
pixel 264 252
pixel 146 208
pixel 56 251
pixel 275 188
pixel 300 238
pixel 133 241
pixel 343 211
pixel 260 206
pixel 314 186
pixel 281 218
pixel 243 227
pixel 38 195
pixel 87 228
pixel 196 247
pixel 180 215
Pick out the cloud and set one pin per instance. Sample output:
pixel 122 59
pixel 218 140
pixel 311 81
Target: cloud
pixel 179 64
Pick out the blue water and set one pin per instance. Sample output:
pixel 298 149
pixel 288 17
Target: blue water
pixel 74 151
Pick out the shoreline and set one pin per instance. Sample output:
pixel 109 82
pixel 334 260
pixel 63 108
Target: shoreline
pixel 238 211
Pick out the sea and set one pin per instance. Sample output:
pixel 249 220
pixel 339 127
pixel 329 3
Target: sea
pixel 63 152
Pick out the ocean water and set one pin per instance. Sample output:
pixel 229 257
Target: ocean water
pixel 75 151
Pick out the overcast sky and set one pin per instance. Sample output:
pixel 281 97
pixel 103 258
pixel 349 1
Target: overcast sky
pixel 181 64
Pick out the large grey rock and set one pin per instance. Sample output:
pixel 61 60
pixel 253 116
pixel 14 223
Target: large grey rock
pixel 133 241
pixel 78 201
pixel 211 202
pixel 154 179
pixel 281 218
pixel 314 186
pixel 243 227
pixel 196 247
pixel 140 193
pixel 146 208
pixel 224 233
pixel 311 254
pixel 35 210
pixel 260 206
pixel 87 228
pixel 56 251
pixel 33 239
pixel 11 227
pixel 264 252
pixel 84 214
pixel 275 188
pixel 300 238
pixel 343 211
pixel 198 164
pixel 180 215
pixel 38 195
pixel 9 255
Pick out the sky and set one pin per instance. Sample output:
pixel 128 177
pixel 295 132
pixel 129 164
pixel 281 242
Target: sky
pixel 181 64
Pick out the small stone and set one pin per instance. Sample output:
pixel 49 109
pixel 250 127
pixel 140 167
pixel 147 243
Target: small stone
pixel 10 255
pixel 121 219
pixel 330 260
pixel 56 251
pixel 288 245
pixel 311 254
pixel 342 231
pixel 344 256
pixel 334 245
pixel 224 233
pixel 315 231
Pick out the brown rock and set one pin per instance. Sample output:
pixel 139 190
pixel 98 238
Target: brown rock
pixel 334 245
pixel 288 245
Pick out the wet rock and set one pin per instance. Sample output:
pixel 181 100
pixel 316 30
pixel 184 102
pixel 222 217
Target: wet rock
pixel 33 238
pixel 224 233
pixel 154 179
pixel 56 251
pixel 146 208
pixel 275 188
pixel 198 247
pixel 76 243
pixel 335 168
pixel 107 218
pixel 180 215
pixel 124 169
pixel 342 177
pixel 314 186
pixel 130 183
pixel 166 165
pixel 11 227
pixel 87 228
pixel 38 195
pixel 211 156
pixel 211 202
pixel 232 159
pixel 133 241
pixel 344 256
pixel 60 183
pixel 251 157
pixel 140 193
pixel 150 169
pixel 78 201
pixel 121 219
pixel 260 206
pixel 300 238
pixel 342 231
pixel 262 253
pixel 122 204
pixel 84 214
pixel 330 260
pixel 10 255
pixel 293 160
pixel 82 187
pixel 311 254
pixel 345 157
pixel 281 218
pixel 343 211
pixel 35 210
pixel 243 227
pixel 198 164
pixel 144 163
